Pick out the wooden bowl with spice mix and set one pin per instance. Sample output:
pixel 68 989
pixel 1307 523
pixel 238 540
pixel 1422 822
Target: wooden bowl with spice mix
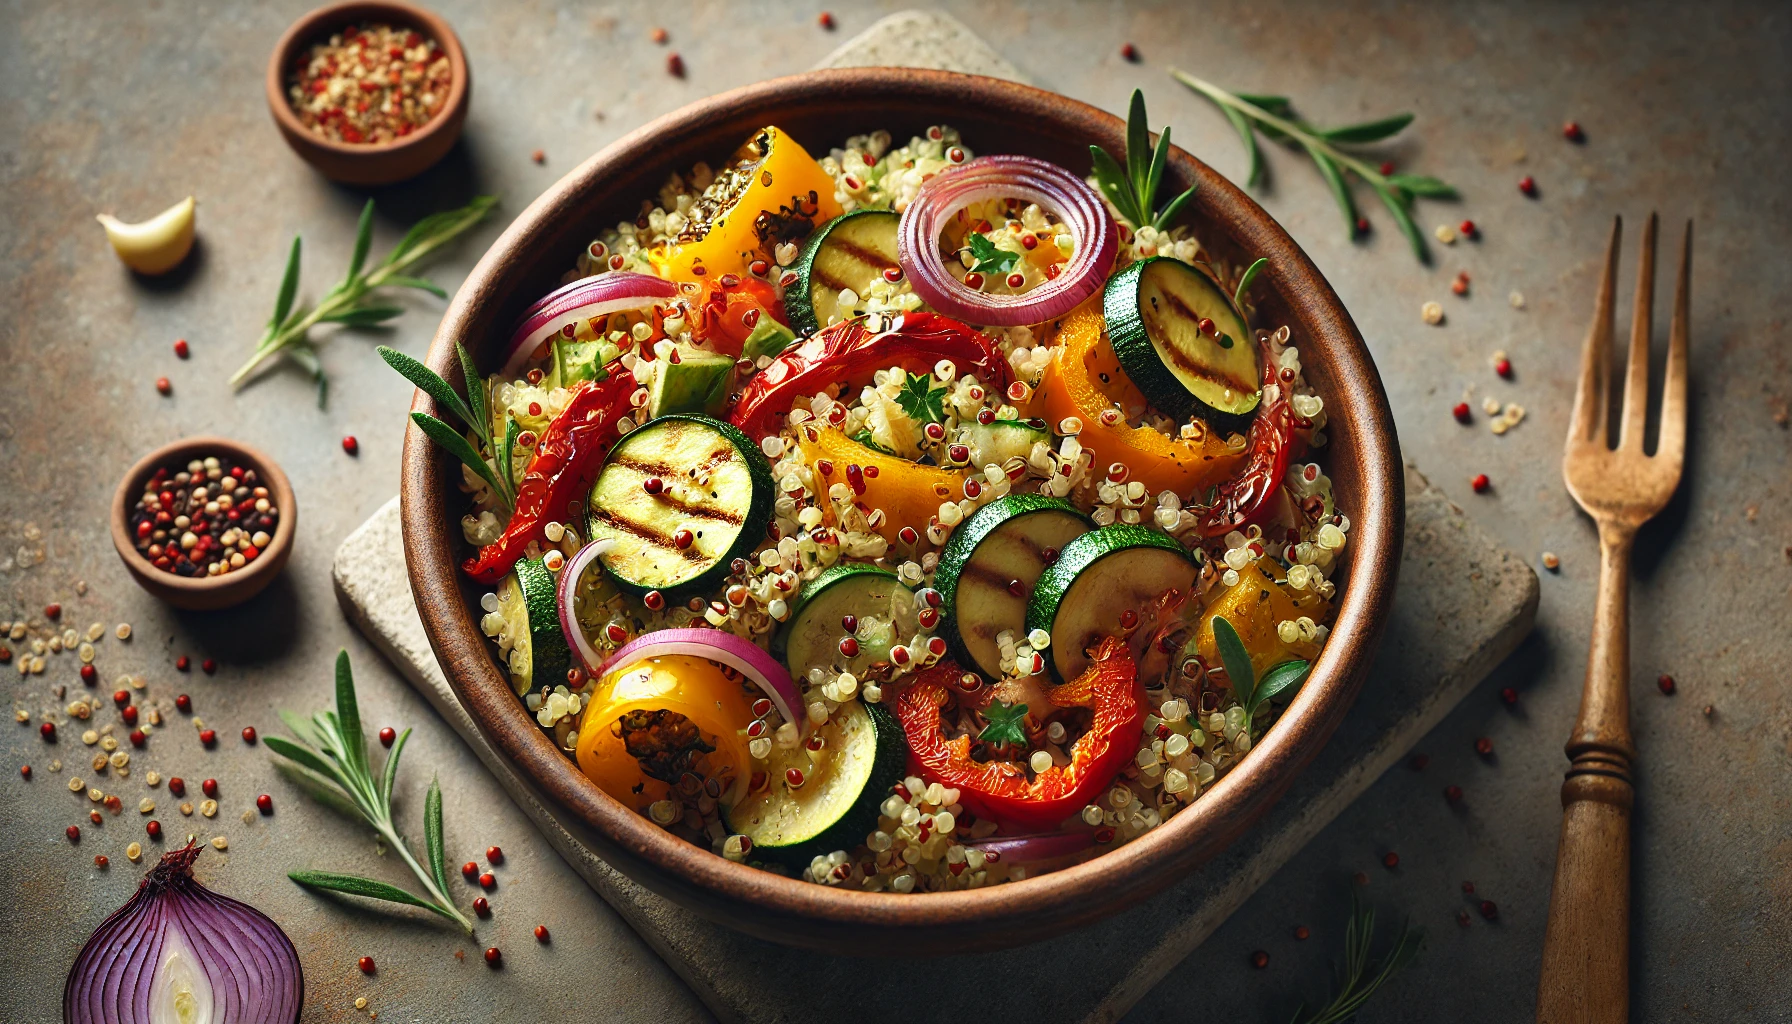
pixel 819 110
pixel 369 93
pixel 204 523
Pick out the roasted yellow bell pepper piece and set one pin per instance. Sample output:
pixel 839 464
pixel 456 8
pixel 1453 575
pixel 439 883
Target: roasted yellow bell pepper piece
pixel 650 722
pixel 770 191
pixel 1255 606
pixel 1084 380
pixel 909 493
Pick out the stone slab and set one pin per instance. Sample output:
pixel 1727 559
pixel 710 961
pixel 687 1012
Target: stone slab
pixel 1463 604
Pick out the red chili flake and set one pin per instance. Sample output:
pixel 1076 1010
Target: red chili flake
pixel 48 730
pixel 1483 746
pixel 1571 131
pixel 137 736
pixel 209 787
pixel 1453 793
pixel 1462 413
pixel 675 65
pixel 177 786
pixel 163 386
pixel 482 906
pixel 182 663
pixel 366 964
pixel 1390 860
pixel 180 348
pixel 249 734
pixel 1260 959
pixel 89 674
pixel 659 35
pixel 494 855
pixel 74 833
pixel 1489 910
pixel 1666 683
pixel 265 803
pixel 1527 185
pixel 1362 225
pixel 154 829
pixel 825 21
pixel 1104 834
pixel 387 735
pixel 208 736
pixel 1503 367
pixel 492 956
pixel 1480 483
pixel 488 881
pixel 469 871
pixel 350 445
pixel 1387 168
pixel 1509 696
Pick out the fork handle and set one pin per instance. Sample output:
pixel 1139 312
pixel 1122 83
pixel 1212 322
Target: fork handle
pixel 1586 947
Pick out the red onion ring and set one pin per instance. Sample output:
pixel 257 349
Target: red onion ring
pixel 723 648
pixel 237 962
pixel 612 292
pixel 1000 177
pixel 589 659
pixel 1042 846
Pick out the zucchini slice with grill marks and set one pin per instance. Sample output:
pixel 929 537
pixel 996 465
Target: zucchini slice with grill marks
pixel 988 569
pixel 1096 580
pixel 881 609
pixel 710 505
pixel 849 252
pixel 531 612
pixel 1154 309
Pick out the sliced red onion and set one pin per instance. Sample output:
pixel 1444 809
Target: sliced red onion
pixel 575 567
pixel 1042 846
pixel 178 951
pixel 723 648
pixel 1001 177
pixel 607 293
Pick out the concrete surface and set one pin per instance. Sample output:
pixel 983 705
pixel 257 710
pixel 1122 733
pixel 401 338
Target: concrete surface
pixel 127 107
pixel 1450 572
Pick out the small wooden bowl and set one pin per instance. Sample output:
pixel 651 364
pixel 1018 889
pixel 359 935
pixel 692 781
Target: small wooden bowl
pixel 205 593
pixel 380 163
pixel 819 109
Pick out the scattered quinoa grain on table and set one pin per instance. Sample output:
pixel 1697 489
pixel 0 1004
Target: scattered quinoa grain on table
pixel 1432 313
pixel 370 84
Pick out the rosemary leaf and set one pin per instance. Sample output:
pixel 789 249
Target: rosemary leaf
pixel 289 287
pixel 446 436
pixel 507 453
pixel 402 281
pixel 1244 284
pixel 1249 138
pixel 432 832
pixel 430 383
pixel 363 242
pixel 362 316
pixel 1340 191
pixel 469 372
pixel 390 776
pixel 1359 979
pixel 1397 208
pixel 1236 659
pixel 1422 185
pixel 1368 131
pixel 355 885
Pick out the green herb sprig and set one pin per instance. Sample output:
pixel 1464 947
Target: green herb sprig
pixel 989 258
pixel 347 300
pixel 1134 189
pixel 1007 725
pixel 1274 116
pixel 331 754
pixel 1358 979
pixel 1250 691
pixel 472 412
pixel 921 400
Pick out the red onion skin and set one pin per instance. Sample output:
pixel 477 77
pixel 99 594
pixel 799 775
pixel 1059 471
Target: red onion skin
pixel 111 979
pixel 569 623
pixel 990 177
pixel 1043 846
pixel 787 698
pixel 610 288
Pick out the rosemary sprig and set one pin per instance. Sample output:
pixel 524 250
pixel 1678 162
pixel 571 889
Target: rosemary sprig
pixel 1274 116
pixel 1250 691
pixel 472 412
pixel 347 300
pixel 332 755
pixel 1359 979
pixel 1133 190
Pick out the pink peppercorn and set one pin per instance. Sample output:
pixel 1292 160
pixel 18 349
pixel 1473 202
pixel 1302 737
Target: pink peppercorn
pixel 1480 483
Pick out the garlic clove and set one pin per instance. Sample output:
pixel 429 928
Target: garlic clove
pixel 154 246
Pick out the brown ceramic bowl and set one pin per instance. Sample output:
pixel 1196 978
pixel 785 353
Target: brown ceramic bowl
pixel 205 593
pixel 820 109
pixel 372 163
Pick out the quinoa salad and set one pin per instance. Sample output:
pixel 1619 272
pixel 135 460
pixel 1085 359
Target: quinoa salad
pixel 900 517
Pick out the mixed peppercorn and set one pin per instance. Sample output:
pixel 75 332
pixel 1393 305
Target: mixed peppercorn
pixel 207 519
pixel 370 84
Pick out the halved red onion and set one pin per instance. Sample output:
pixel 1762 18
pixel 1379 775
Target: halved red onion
pixel 1042 846
pixel 1000 177
pixel 723 648
pixel 612 292
pixel 178 951
pixel 575 567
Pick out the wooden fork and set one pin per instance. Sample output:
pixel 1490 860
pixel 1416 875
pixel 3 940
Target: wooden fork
pixel 1586 948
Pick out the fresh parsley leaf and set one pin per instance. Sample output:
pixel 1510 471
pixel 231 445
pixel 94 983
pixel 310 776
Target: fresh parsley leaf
pixel 923 402
pixel 990 260
pixel 1007 724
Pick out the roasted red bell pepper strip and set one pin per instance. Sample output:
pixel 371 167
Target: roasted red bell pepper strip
pixel 730 308
pixel 1270 444
pixel 1000 790
pixel 566 462
pixel 847 354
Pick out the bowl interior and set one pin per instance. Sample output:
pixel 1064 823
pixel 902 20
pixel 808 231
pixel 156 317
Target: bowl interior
pixel 820 110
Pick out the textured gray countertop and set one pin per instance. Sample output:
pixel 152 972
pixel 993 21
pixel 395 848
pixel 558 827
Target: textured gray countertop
pixel 125 108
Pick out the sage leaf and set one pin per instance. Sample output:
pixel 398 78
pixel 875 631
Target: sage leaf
pixel 355 885
pixel 1236 659
pixel 1287 676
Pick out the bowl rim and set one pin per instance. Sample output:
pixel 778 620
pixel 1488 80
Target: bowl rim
pixel 248 578
pixel 788 910
pixel 319 20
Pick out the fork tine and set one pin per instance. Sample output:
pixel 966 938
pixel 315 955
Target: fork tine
pixel 1588 422
pixel 1672 443
pixel 1642 324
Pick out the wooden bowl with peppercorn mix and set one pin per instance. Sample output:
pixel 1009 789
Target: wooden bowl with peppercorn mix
pixel 819 109
pixel 369 93
pixel 204 523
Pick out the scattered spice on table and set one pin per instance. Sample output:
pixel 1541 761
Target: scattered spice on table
pixel 1453 794
pixel 1509 696
pixel 1468 229
pixel 163 386
pixel 366 965
pixel 1480 483
pixel 1129 53
pixel 675 65
pixel 181 349
pixel 540 156
pixel 370 84
pixel 492 956
pixel 1572 132
pixel 541 933
pixel 1260 959
pixel 207 519
pixel 1483 746
pixel 660 36
pixel 1301 933
pixel 1528 185
pixel 1666 683
pixel 1432 313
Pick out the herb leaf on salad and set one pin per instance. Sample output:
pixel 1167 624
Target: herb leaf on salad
pixel 472 412
pixel 990 259
pixel 1133 190
pixel 923 402
pixel 1251 692
pixel 1007 724
pixel 1359 979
